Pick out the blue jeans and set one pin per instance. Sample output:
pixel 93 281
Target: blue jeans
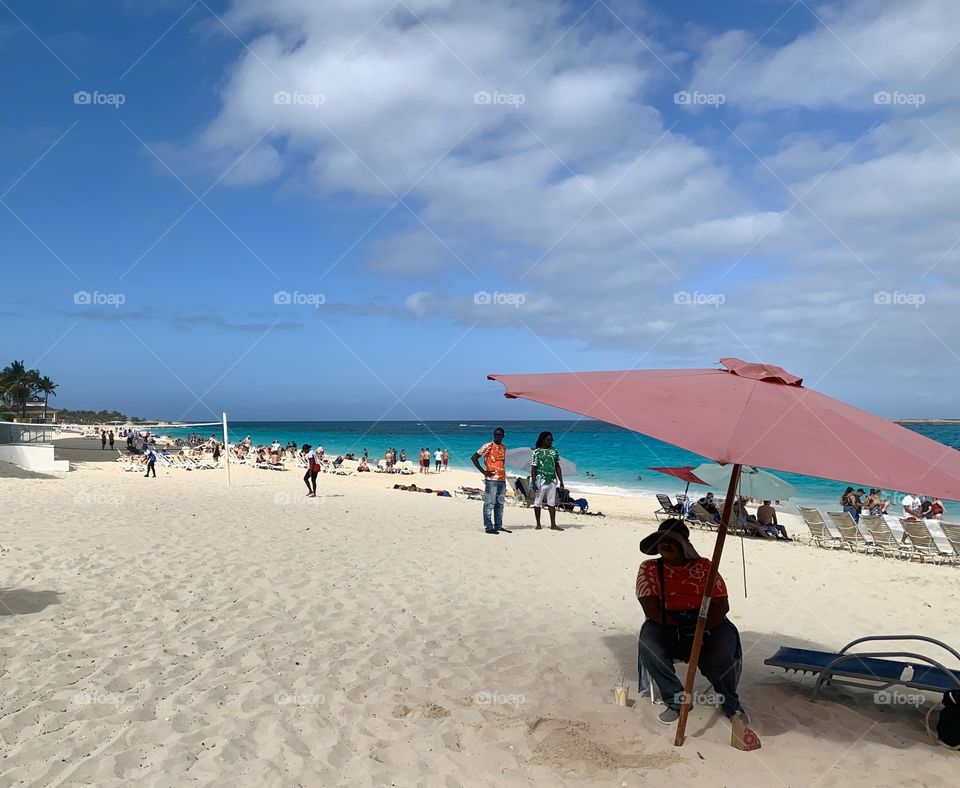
pixel 494 494
pixel 721 659
pixel 853 511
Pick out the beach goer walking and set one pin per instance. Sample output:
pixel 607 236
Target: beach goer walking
pixel 151 463
pixel 446 458
pixel 545 472
pixel 494 480
pixel 216 452
pixel 670 590
pixel 313 468
pixel 423 461
pixel 103 440
pixel 111 438
pixel 438 460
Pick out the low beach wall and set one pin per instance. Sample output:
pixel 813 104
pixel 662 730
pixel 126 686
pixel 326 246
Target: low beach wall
pixel 34 457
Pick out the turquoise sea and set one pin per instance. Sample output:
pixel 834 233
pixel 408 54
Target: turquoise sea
pixel 618 460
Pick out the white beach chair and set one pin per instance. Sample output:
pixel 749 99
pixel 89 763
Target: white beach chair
pixel 849 533
pixel 819 533
pixel 884 540
pixel 922 542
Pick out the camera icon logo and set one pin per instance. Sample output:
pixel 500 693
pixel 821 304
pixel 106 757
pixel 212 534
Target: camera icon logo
pixel 682 297
pixel 82 97
pixel 882 97
pixel 482 97
pixel 82 297
pixel 883 297
pixel 282 297
pixel 282 97
pixel 682 97
pixel 483 297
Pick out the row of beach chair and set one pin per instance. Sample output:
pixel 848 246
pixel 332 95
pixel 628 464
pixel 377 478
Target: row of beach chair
pixel 873 536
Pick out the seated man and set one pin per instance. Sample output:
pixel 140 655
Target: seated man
pixel 747 522
pixel 670 590
pixel 767 517
pixel 708 503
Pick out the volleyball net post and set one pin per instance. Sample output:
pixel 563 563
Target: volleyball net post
pixel 226 446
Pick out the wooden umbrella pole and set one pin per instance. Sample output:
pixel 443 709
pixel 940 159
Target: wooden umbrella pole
pixel 705 606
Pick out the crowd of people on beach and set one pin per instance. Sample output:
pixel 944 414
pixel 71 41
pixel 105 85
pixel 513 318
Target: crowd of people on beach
pixel 913 506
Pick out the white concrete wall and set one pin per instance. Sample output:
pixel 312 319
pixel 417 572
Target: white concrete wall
pixel 33 457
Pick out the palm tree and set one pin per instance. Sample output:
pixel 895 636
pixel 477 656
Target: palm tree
pixel 46 387
pixel 16 385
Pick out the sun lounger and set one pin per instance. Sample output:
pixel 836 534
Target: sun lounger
pixel 849 533
pixel 819 533
pixel 667 507
pixel 524 493
pixel 952 532
pixel 922 542
pixel 127 463
pixel 884 540
pixel 874 670
pixel 701 518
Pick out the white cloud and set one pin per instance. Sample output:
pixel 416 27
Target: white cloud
pixel 585 197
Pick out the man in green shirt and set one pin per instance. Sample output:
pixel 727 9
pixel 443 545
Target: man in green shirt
pixel 545 473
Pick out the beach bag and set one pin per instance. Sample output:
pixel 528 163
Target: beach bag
pixel 314 465
pixel 948 726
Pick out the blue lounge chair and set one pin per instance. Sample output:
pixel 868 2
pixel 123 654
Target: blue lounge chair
pixel 875 670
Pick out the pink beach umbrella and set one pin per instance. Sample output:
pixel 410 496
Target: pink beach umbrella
pixel 750 414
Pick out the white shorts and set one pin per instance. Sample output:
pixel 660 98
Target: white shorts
pixel 548 491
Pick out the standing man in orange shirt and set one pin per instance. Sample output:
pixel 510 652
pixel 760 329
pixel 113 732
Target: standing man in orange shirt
pixel 494 454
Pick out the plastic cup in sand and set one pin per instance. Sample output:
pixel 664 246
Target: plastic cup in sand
pixel 621 695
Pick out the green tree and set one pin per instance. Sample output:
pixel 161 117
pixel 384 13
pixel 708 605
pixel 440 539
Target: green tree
pixel 48 388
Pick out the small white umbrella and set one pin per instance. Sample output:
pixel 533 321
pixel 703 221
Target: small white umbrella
pixel 754 483
pixel 520 459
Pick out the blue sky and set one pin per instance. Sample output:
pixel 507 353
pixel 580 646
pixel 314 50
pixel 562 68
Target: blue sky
pixel 636 185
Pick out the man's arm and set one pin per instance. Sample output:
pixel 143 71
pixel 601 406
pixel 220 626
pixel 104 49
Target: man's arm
pixel 719 607
pixel 476 461
pixel 652 609
pixel 559 473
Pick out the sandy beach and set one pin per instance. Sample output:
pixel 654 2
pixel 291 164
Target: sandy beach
pixel 179 632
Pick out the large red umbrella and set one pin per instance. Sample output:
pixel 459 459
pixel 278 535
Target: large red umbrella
pixel 750 414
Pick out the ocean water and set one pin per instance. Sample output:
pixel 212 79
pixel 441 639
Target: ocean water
pixel 618 460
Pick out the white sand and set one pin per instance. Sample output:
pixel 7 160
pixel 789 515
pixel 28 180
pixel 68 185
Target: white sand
pixel 173 632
